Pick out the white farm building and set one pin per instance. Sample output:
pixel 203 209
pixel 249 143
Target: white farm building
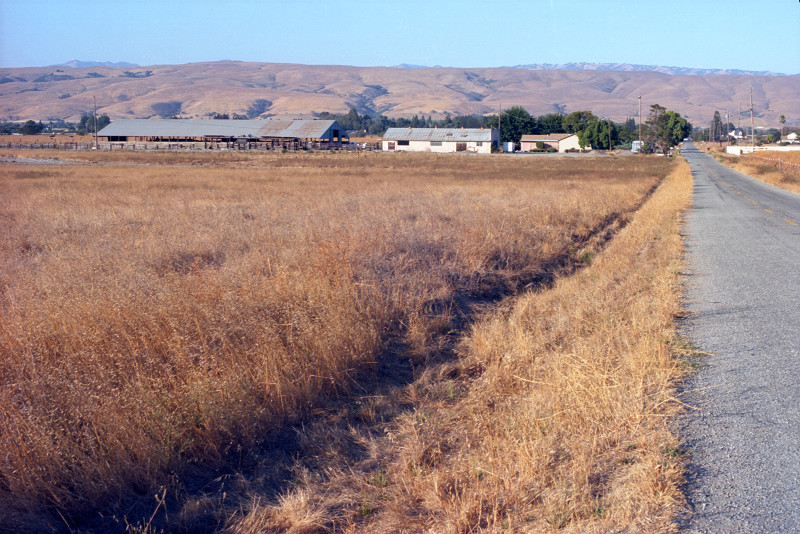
pixel 440 140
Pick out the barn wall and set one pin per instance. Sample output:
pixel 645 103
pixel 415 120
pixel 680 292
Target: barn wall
pixel 445 147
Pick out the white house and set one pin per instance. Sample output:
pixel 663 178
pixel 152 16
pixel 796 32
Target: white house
pixel 563 142
pixel 792 138
pixel 478 140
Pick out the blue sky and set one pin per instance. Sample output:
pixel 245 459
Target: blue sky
pixel 732 34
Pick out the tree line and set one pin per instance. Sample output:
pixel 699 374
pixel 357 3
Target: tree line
pixel 662 129
pixel 718 131
pixel 84 126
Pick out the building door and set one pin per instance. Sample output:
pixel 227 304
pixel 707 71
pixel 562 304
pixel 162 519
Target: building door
pixel 461 147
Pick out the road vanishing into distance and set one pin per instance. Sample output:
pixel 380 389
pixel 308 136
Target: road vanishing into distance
pixel 743 291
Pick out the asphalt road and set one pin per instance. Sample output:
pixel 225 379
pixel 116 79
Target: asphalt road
pixel 743 244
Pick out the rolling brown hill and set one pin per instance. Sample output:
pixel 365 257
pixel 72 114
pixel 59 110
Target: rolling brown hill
pixel 289 90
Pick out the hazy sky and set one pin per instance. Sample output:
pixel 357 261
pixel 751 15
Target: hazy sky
pixel 731 34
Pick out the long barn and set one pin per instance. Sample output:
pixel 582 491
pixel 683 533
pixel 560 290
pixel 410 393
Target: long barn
pixel 212 133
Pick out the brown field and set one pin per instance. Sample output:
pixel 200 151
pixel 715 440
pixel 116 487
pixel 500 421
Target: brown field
pixel 163 323
pixel 764 166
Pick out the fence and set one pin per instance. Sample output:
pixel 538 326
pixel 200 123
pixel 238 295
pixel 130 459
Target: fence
pixel 190 146
pixel 785 166
pixel 49 146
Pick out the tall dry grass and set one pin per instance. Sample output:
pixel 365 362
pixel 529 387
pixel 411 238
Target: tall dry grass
pixel 159 318
pixel 766 171
pixel 556 417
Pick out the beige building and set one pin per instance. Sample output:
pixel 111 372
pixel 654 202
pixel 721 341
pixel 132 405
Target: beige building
pixel 563 142
pixel 477 140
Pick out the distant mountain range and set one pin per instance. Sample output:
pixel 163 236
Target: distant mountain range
pixel 284 90
pixel 620 67
pixel 627 67
pixel 624 67
pixel 76 63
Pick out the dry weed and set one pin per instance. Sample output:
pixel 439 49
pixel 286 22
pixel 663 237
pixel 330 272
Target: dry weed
pixel 159 318
pixel 765 171
pixel 556 416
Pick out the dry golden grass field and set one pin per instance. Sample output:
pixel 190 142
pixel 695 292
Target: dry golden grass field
pixel 763 166
pixel 329 343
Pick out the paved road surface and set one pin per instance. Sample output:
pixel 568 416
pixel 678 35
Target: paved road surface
pixel 744 285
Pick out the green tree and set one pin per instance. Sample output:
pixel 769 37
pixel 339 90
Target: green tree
pixel 598 134
pixel 31 128
pixel 773 135
pixel 86 124
pixel 627 131
pixel 665 128
pixel 576 121
pixel 716 128
pixel 782 120
pixel 513 123
pixel 551 123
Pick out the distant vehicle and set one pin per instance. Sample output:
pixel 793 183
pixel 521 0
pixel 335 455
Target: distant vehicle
pixel 636 146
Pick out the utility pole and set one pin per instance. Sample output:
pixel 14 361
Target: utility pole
pixel 500 127
pixel 752 123
pixel 640 124
pixel 94 99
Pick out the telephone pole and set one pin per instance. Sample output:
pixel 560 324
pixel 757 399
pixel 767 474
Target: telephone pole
pixel 500 127
pixel 640 123
pixel 94 99
pixel 752 123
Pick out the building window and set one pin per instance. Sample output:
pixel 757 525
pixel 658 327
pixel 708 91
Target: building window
pixel 436 143
pixel 402 142
pixel 479 143
pixel 390 145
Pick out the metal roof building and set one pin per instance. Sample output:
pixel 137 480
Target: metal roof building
pixel 204 129
pixel 440 139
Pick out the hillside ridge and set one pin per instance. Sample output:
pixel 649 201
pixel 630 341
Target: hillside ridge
pixel 285 90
